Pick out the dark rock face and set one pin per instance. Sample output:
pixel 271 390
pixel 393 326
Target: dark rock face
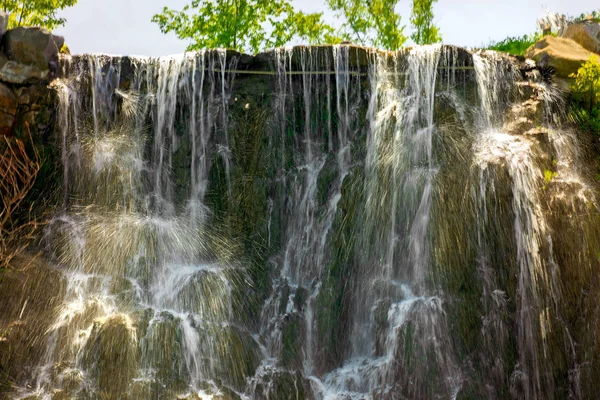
pixel 8 109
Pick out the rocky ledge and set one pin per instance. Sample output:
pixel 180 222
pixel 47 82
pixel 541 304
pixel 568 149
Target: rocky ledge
pixel 28 62
pixel 564 55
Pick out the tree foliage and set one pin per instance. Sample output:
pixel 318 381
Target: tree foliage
pixel 370 22
pixel 421 19
pixel 245 25
pixel 35 12
pixel 253 25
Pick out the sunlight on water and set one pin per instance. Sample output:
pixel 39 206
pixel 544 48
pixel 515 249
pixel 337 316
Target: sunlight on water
pixel 344 224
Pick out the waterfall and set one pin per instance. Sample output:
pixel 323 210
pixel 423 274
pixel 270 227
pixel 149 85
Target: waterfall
pixel 139 265
pixel 326 222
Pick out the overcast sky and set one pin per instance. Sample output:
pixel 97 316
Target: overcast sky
pixel 124 27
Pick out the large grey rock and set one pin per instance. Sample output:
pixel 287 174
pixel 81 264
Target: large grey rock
pixel 32 46
pixel 587 35
pixel 14 72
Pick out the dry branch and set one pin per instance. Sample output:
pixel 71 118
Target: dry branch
pixel 18 172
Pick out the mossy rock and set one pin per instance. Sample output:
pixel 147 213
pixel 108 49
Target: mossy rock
pixel 293 331
pixel 29 291
pixel 111 356
pixel 162 351
pixel 239 357
pixel 283 385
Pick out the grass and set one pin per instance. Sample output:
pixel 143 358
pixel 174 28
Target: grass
pixel 516 45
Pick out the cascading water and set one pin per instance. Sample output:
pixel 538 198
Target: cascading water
pixel 150 290
pixel 317 223
pixel 536 271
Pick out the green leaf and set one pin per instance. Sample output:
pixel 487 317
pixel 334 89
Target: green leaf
pixel 35 12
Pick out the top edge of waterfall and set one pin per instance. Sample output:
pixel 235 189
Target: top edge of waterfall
pixel 313 59
pixel 289 49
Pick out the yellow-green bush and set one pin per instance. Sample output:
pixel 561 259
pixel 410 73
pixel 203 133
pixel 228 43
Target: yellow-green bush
pixel 587 82
pixel 585 110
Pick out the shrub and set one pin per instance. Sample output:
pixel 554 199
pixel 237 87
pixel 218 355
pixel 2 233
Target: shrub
pixel 585 109
pixel 587 82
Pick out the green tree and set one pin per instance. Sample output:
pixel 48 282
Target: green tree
pixel 425 32
pixel 245 25
pixel 370 22
pixel 35 12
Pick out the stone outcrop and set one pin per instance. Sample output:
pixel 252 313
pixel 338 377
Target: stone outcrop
pixel 14 72
pixel 564 56
pixel 28 61
pixel 32 46
pixel 586 35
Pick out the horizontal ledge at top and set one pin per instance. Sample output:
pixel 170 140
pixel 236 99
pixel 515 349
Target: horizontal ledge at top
pixel 252 72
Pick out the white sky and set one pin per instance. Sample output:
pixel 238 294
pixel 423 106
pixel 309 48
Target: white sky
pixel 124 27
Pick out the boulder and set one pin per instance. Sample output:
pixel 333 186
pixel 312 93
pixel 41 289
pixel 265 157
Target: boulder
pixel 564 56
pixel 14 72
pixel 32 46
pixel 111 354
pixel 8 109
pixel 587 35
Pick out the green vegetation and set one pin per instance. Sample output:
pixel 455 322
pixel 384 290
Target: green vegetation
pixel 255 25
pixel 515 45
pixel 244 25
pixel 587 82
pixel 36 12
pixel 422 21
pixel 585 109
pixel 370 23
pixel 549 176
